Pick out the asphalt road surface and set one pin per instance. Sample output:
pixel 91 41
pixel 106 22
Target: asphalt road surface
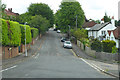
pixel 53 61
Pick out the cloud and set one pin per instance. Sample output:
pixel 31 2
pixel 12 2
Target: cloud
pixel 94 9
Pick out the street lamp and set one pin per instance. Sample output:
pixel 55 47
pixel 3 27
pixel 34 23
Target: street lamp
pixel 25 40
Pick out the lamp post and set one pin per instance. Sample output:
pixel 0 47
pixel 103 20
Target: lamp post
pixel 25 40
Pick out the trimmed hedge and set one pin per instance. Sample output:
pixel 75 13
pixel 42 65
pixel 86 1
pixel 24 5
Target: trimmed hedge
pixel 107 45
pixel 34 32
pixel 14 32
pixel 28 34
pixel 96 45
pixel 5 39
pixel 0 32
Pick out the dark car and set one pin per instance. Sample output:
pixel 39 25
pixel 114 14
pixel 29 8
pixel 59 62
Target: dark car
pixel 63 39
pixel 55 29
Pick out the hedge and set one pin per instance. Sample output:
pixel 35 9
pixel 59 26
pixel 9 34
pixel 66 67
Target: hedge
pixel 107 45
pixel 5 39
pixel 28 34
pixel 34 32
pixel 96 45
pixel 14 32
pixel 0 32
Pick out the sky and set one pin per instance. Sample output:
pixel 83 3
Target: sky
pixel 93 9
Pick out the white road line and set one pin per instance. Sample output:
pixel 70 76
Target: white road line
pixel 8 68
pixel 90 64
pixel 37 55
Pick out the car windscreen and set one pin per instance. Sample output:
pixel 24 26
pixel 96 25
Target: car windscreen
pixel 67 42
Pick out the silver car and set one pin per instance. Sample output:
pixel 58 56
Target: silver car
pixel 67 44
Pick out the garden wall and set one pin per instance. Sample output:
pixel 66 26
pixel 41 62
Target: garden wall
pixel 98 55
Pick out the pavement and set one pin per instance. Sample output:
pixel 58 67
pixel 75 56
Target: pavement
pixel 51 60
pixel 21 57
pixel 107 67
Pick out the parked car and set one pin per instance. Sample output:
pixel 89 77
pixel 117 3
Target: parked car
pixel 58 31
pixel 55 29
pixel 63 39
pixel 67 44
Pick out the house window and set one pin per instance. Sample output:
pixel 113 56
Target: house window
pixel 103 33
pixel 108 38
pixel 111 38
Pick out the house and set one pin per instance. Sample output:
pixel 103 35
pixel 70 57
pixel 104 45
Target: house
pixel 114 35
pixel 10 13
pixel 100 30
pixel 88 24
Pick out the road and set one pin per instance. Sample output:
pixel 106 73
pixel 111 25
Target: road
pixel 53 61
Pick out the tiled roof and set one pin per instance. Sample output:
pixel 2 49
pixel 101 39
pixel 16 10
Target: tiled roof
pixel 116 32
pixel 89 24
pixel 98 26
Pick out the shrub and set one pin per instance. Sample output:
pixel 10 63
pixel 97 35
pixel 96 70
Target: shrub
pixel 5 39
pixel 28 34
pixel 14 33
pixel 96 45
pixel 114 49
pixel 107 45
pixel 34 32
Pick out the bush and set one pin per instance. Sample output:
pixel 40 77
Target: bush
pixel 28 34
pixel 14 33
pixel 34 32
pixel 114 49
pixel 107 45
pixel 5 39
pixel 96 45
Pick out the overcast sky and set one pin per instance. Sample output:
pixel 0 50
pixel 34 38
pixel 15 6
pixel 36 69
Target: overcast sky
pixel 94 9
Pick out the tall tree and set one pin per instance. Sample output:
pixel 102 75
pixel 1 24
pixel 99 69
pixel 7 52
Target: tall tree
pixel 106 18
pixel 42 9
pixel 40 23
pixel 69 13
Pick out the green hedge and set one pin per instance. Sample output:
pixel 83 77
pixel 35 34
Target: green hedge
pixel 96 45
pixel 107 45
pixel 0 32
pixel 28 34
pixel 34 32
pixel 14 32
pixel 10 33
pixel 5 39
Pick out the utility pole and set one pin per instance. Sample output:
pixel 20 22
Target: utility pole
pixel 25 40
pixel 76 22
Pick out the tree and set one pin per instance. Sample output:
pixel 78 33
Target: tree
pixel 119 23
pixel 25 17
pixel 40 23
pixel 68 13
pixel 43 10
pixel 80 33
pixel 106 18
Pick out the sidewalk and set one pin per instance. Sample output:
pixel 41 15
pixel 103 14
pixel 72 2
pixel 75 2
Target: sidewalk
pixel 21 56
pixel 107 67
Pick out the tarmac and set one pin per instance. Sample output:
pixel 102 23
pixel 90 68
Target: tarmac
pixel 107 67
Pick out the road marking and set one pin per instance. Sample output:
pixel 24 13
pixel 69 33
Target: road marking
pixel 8 68
pixel 37 55
pixel 90 64
pixel 73 53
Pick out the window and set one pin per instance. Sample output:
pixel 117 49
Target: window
pixel 111 38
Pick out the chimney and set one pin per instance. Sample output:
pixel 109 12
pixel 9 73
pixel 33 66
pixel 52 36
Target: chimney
pixel 10 9
pixel 102 20
pixel 113 21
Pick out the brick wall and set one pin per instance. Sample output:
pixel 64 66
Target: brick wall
pixel 9 52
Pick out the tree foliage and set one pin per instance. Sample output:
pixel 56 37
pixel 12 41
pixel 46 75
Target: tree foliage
pixel 106 18
pixel 68 13
pixel 42 9
pixel 40 23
